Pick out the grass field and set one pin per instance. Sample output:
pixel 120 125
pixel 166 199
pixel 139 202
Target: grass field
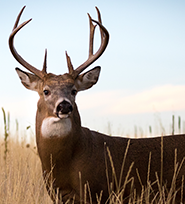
pixel 20 176
pixel 21 179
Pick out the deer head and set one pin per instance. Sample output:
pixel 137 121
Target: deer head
pixel 57 92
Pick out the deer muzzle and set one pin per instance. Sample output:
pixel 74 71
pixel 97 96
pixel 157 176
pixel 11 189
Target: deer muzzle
pixel 63 109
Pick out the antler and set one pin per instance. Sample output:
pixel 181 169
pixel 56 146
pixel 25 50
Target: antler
pixel 16 28
pixel 92 57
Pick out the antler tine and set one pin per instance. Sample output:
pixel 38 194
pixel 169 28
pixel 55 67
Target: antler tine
pixel 44 70
pixel 91 38
pixel 16 28
pixel 104 42
pixel 69 64
pixel 18 18
pixel 100 21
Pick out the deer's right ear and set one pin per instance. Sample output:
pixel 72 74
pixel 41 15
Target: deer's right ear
pixel 30 81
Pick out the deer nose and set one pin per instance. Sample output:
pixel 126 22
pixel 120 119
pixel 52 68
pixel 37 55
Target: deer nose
pixel 64 107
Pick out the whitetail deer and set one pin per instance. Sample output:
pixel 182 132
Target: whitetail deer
pixel 80 158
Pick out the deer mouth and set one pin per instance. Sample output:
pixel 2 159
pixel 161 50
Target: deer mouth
pixel 64 109
pixel 63 116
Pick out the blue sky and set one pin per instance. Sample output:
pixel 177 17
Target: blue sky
pixel 142 79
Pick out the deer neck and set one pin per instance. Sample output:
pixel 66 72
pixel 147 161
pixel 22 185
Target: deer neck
pixel 56 138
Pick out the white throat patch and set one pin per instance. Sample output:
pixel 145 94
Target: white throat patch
pixel 57 127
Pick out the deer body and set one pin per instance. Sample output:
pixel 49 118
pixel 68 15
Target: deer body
pixel 85 153
pixel 80 165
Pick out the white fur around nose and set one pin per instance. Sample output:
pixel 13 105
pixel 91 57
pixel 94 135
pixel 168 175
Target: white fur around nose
pixel 55 127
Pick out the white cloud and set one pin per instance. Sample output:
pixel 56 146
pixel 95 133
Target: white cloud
pixel 161 98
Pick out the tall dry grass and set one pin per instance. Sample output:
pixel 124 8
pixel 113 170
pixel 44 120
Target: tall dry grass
pixel 21 179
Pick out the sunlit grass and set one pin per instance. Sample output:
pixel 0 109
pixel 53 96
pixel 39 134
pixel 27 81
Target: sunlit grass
pixel 21 179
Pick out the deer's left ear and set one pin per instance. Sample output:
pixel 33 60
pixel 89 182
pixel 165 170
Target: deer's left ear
pixel 88 79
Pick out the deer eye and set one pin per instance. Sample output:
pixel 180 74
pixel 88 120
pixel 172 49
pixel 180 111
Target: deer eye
pixel 74 92
pixel 46 92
